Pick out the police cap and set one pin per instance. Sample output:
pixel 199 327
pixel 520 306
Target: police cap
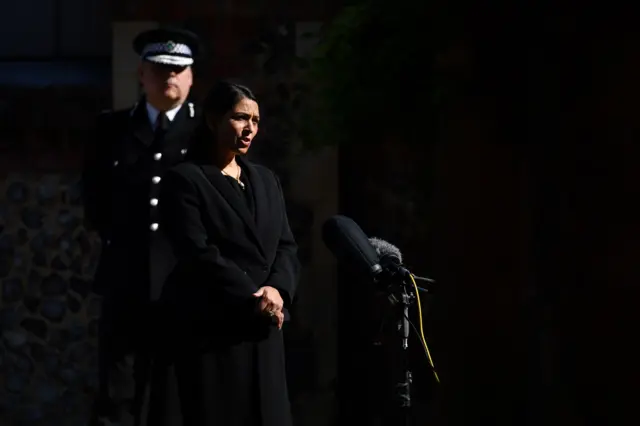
pixel 167 46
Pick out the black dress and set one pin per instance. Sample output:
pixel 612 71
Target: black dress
pixel 220 362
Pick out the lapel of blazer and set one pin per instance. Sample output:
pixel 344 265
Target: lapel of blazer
pixel 181 128
pixel 140 125
pixel 259 194
pixel 217 179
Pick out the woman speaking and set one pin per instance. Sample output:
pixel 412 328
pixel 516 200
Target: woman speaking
pixel 222 360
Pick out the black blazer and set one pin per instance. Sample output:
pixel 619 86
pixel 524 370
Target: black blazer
pixel 123 167
pixel 224 253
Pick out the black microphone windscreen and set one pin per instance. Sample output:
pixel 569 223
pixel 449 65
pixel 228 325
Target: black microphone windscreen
pixel 384 248
pixel 349 243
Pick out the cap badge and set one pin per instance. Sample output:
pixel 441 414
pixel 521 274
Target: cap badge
pixel 170 46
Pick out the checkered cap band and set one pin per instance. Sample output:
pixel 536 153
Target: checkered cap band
pixel 168 48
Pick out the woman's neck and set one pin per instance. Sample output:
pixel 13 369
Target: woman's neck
pixel 224 160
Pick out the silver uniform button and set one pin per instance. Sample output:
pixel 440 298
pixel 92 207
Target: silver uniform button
pixel 183 151
pixel 157 156
pixel 154 227
pixel 155 179
pixel 115 163
pixel 153 201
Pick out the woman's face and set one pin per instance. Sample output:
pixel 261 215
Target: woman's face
pixel 237 128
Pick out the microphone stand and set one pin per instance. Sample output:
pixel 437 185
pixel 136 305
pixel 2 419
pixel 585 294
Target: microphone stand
pixel 404 385
pixel 401 295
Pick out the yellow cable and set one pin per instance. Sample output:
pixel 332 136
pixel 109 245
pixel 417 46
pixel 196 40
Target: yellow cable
pixel 424 340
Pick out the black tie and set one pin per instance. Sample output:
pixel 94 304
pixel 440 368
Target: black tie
pixel 160 129
pixel 162 123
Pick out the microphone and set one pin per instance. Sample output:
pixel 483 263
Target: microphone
pixel 391 258
pixel 349 244
pixel 386 249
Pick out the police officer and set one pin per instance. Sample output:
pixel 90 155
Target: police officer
pixel 123 171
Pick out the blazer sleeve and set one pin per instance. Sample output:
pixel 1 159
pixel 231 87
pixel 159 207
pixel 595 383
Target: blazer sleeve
pixel 95 194
pixel 180 217
pixel 285 269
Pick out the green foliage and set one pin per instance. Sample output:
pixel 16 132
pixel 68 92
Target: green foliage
pixel 373 65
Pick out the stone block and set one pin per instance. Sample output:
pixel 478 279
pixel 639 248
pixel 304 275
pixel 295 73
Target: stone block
pixel 46 338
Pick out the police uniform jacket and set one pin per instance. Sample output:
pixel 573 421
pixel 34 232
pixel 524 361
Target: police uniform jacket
pixel 122 176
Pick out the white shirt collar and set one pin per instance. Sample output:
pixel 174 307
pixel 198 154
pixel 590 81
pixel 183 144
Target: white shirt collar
pixel 153 112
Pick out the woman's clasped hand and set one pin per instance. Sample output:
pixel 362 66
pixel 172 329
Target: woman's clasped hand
pixel 270 304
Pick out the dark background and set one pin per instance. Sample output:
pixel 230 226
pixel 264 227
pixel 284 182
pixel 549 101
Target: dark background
pixel 517 191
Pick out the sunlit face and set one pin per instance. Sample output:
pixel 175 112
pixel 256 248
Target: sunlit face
pixel 237 128
pixel 165 85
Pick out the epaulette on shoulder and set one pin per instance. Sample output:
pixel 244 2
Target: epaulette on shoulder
pixel 104 116
pixel 133 109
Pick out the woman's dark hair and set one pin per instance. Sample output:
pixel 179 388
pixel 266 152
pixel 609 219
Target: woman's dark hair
pixel 220 99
